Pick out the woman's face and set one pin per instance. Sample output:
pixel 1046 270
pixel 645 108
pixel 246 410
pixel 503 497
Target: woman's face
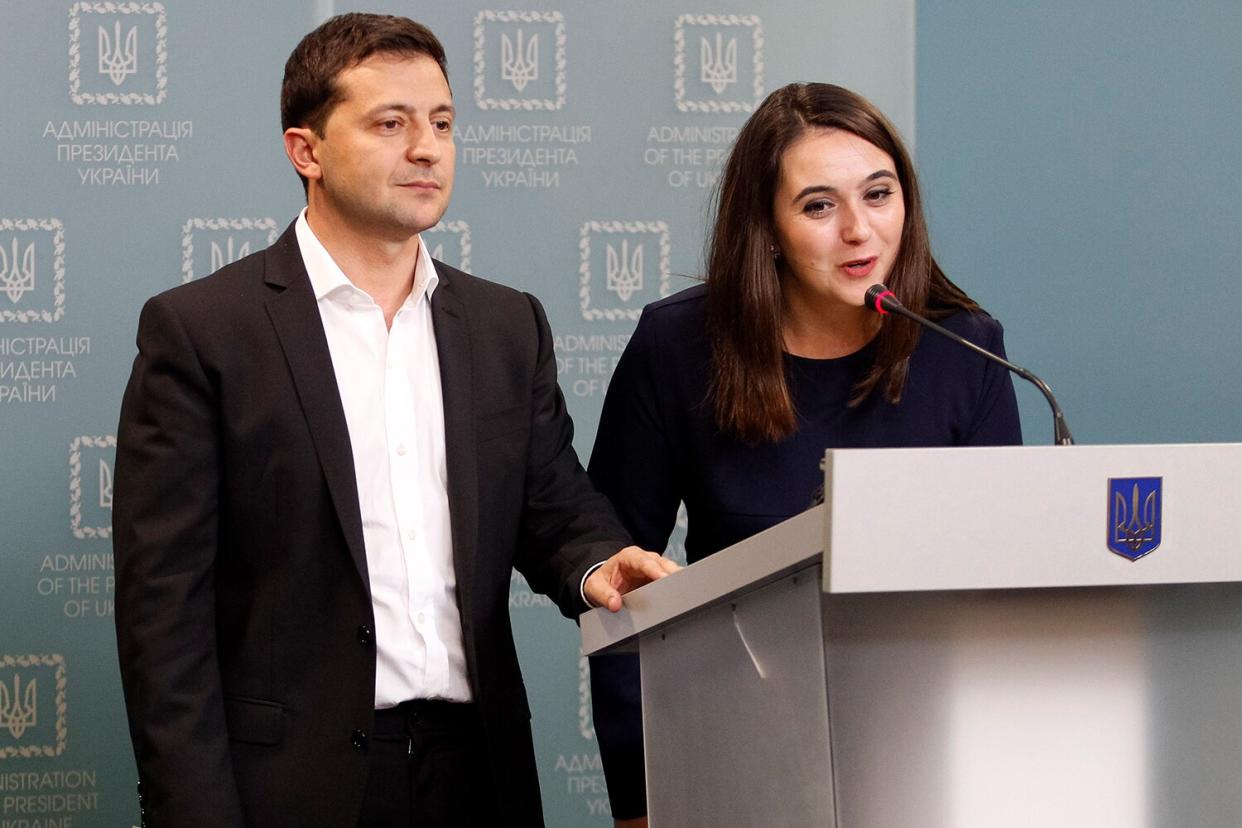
pixel 838 214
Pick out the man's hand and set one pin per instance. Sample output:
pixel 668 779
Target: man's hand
pixel 628 569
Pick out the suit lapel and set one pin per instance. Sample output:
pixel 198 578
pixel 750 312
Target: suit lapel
pixel 295 316
pixel 452 332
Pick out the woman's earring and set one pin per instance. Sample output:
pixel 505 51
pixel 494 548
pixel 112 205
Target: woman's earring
pixel 774 250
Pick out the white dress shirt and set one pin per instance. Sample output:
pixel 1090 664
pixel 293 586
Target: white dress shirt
pixel 389 381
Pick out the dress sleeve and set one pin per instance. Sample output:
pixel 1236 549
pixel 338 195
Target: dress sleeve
pixel 996 420
pixel 633 464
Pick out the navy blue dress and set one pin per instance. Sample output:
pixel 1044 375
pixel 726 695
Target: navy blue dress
pixel 658 445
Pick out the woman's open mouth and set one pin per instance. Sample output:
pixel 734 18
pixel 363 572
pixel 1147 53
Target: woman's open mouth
pixel 858 268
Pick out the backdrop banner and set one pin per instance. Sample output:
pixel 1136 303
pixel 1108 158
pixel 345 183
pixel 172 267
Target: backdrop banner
pixel 142 150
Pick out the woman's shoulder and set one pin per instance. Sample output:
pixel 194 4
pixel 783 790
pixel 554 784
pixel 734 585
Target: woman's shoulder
pixel 670 339
pixel 679 316
pixel 683 305
pixel 977 326
pixel 940 356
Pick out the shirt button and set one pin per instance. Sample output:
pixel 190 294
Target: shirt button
pixel 401 449
pixel 411 534
pixel 422 618
pixel 358 739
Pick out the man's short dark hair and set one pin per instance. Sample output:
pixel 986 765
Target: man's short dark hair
pixel 310 91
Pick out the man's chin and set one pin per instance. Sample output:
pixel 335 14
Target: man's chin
pixel 404 224
pixel 425 217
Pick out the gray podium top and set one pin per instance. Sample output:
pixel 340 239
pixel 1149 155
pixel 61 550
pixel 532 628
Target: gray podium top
pixel 901 520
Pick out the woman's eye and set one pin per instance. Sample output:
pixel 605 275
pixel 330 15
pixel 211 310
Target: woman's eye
pixel 879 194
pixel 391 123
pixel 817 207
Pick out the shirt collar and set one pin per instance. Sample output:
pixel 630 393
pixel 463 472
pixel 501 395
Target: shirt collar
pixel 327 278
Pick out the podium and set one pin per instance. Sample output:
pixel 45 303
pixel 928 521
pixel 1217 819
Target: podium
pixel 949 640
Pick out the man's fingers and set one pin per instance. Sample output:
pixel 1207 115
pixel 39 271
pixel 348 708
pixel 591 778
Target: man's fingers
pixel 600 592
pixel 607 596
pixel 649 564
pixel 628 569
pixel 669 566
pixel 652 568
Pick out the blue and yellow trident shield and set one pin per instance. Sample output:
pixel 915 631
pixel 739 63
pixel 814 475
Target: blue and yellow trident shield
pixel 1134 505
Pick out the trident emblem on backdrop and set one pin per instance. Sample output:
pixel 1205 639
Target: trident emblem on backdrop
pixel 718 69
pixel 117 61
pixel 625 271
pixel 1134 515
pixel 519 64
pixel 105 485
pixel 221 257
pixel 17 272
pixel 18 713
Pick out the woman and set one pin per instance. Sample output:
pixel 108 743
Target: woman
pixel 728 393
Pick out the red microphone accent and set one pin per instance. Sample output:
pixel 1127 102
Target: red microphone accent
pixel 879 302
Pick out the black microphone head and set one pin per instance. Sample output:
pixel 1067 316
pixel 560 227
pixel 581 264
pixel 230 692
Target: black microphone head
pixel 879 298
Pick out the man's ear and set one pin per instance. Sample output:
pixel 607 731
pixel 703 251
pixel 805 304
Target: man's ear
pixel 302 147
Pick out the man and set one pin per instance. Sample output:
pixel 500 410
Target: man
pixel 330 456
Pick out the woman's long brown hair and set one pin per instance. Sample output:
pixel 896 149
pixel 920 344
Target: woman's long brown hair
pixel 748 384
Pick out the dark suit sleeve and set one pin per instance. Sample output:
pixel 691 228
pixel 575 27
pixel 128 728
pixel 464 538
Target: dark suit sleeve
pixel 996 420
pixel 166 530
pixel 567 526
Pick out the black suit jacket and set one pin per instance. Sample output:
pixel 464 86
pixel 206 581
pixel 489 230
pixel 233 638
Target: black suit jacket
pixel 243 610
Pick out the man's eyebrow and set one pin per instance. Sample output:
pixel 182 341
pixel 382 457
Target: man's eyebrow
pixel 406 109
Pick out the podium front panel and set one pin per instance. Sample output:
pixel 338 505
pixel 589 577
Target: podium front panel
pixel 1096 707
pixel 735 717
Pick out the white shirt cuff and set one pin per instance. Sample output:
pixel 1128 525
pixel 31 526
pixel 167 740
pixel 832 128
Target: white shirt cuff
pixel 582 586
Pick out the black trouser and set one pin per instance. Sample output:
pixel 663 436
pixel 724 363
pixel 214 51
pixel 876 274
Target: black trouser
pixel 427 767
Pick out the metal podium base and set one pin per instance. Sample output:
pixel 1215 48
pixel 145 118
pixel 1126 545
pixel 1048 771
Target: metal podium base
pixel 1034 707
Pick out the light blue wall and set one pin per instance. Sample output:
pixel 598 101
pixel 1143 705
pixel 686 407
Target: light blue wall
pixel 1083 170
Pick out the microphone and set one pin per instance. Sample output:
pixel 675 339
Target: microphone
pixel 883 301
